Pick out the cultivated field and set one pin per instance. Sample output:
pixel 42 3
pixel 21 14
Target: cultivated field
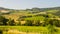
pixel 26 30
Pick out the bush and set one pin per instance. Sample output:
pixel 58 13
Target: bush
pixel 3 20
pixel 11 22
pixel 1 32
pixel 28 23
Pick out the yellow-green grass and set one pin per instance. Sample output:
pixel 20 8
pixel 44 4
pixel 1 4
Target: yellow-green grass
pixel 26 28
pixel 29 29
pixel 41 18
pixel 52 11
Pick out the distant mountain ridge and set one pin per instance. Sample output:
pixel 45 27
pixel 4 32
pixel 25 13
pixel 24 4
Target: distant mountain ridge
pixel 2 8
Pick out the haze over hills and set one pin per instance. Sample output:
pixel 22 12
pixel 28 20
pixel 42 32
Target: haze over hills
pixel 52 10
pixel 29 16
pixel 2 8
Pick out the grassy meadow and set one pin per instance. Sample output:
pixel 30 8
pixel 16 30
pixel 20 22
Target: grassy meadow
pixel 30 21
pixel 27 29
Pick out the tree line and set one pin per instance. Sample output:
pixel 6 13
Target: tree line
pixel 47 20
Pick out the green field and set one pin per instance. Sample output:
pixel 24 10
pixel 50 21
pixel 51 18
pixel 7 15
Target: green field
pixel 30 21
pixel 28 29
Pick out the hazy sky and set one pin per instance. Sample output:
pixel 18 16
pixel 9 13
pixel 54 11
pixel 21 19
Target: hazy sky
pixel 23 4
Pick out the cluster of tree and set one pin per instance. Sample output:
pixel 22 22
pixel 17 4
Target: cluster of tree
pixel 5 21
pixel 34 22
pixel 49 19
pixel 45 23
